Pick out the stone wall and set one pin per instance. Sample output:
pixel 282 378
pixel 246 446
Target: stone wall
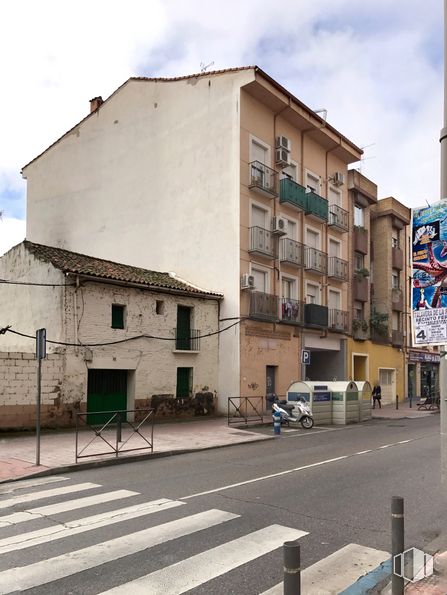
pixel 18 391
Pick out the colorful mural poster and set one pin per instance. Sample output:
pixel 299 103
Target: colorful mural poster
pixel 429 272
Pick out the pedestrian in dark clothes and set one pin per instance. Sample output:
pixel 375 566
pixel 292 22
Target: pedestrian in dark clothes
pixel 377 395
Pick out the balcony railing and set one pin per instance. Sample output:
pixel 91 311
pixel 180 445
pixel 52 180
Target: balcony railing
pixel 263 306
pixel 360 239
pixel 189 342
pixel 263 179
pixel 397 258
pixel 338 268
pixel 261 241
pixel 293 194
pixel 379 336
pixel 315 260
pixel 397 299
pixel 360 289
pixel 338 218
pixel 291 252
pixel 360 331
pixel 338 320
pixel 317 206
pixel 292 311
pixel 315 315
pixel 397 338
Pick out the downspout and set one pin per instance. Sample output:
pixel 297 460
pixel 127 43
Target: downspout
pixel 75 314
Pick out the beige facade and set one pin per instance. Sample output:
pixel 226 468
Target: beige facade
pixel 81 314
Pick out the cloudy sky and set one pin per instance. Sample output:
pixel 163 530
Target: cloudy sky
pixel 375 65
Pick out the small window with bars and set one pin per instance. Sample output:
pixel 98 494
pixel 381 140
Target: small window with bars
pixel 118 315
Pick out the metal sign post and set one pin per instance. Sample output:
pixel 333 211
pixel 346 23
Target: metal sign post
pixel 41 353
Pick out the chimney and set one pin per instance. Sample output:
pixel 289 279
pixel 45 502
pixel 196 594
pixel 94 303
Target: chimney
pixel 95 103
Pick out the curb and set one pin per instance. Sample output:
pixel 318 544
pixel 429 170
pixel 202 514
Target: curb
pixel 127 459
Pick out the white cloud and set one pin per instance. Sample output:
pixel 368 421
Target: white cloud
pixel 12 232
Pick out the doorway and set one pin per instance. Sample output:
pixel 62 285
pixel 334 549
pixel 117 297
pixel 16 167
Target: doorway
pixel 106 391
pixel 270 384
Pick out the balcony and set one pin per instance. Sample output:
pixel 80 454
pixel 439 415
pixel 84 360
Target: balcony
pixel 263 179
pixel 293 194
pixel 397 338
pixel 317 206
pixel 361 240
pixel 261 242
pixel 292 312
pixel 338 268
pixel 187 341
pixel 338 218
pixel 397 299
pixel 380 336
pixel 360 288
pixel 338 321
pixel 397 258
pixel 291 252
pixel 315 261
pixel 263 306
pixel 315 315
pixel 296 195
pixel 360 329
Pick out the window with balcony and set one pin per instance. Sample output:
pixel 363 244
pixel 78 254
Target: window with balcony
pixel 334 196
pixel 259 217
pixel 395 279
pixel 395 321
pixel 313 182
pixel 334 248
pixel 359 311
pixel 186 338
pixel 259 151
pixel 359 261
pixel 359 216
pixel 289 172
pixel 312 238
pixel 261 279
pixel 395 238
pixel 312 293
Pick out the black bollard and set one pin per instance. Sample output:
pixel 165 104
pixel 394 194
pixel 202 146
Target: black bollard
pixel 397 544
pixel 397 401
pixel 292 568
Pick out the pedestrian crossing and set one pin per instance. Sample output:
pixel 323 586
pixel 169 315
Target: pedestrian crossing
pixel 42 546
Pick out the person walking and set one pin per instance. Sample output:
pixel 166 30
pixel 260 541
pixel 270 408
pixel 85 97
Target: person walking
pixel 377 395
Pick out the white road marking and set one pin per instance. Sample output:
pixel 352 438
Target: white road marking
pixel 288 471
pixel 32 538
pixel 15 486
pixel 336 572
pixel 403 441
pixel 21 578
pixel 30 497
pixel 192 572
pixel 35 513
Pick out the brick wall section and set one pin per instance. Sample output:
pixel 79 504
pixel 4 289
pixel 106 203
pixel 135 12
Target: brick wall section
pixel 18 390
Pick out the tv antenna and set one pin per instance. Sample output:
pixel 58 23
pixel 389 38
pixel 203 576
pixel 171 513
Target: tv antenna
pixel 204 67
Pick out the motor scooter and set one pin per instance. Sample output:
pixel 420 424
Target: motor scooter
pixel 299 412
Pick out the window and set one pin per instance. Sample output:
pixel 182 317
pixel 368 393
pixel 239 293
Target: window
pixel 359 311
pixel 359 261
pixel 312 294
pixel 159 307
pixel 183 330
pixel 395 321
pixel 259 151
pixel 359 216
pixel 118 312
pixel 395 279
pixel 259 217
pixel 288 287
pixel 334 196
pixel 289 172
pixel 395 238
pixel 312 239
pixel 261 280
pixel 334 248
pixel 291 229
pixel 184 383
pixel 313 182
pixel 334 299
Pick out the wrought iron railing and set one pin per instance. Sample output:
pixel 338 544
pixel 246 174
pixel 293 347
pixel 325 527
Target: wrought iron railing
pixel 338 320
pixel 263 178
pixel 338 218
pixel 291 252
pixel 116 432
pixel 263 306
pixel 187 342
pixel 292 311
pixel 261 241
pixel 315 260
pixel 338 268
pixel 245 410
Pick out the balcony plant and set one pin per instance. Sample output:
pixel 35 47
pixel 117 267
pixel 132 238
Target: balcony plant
pixel 379 323
pixel 359 324
pixel 360 274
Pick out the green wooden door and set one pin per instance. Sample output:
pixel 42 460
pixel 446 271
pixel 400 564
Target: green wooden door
pixel 183 328
pixel 183 382
pixel 106 391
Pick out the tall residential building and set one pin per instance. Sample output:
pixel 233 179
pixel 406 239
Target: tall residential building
pixel 231 181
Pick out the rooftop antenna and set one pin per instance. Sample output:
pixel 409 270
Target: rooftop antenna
pixel 204 67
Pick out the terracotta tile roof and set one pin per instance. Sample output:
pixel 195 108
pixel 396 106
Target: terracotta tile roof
pixel 81 264
pixel 192 76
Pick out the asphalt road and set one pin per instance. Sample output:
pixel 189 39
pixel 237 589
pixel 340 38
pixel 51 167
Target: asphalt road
pixel 319 481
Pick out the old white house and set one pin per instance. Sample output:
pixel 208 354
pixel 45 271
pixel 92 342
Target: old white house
pixel 122 337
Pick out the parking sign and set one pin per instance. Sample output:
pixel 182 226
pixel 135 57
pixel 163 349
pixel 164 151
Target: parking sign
pixel 305 356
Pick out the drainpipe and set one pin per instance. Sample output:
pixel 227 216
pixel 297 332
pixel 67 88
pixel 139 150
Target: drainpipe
pixel 75 315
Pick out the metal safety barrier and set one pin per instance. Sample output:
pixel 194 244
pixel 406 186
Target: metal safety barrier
pixel 116 432
pixel 245 410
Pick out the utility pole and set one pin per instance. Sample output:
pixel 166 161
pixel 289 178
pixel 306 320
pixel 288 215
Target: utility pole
pixel 443 362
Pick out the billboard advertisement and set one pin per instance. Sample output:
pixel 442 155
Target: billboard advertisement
pixel 429 274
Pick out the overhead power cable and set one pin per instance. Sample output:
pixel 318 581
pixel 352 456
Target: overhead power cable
pixel 30 283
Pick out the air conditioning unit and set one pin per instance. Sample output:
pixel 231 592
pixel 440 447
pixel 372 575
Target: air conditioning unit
pixel 282 142
pixel 339 178
pixel 279 226
pixel 247 281
pixel 282 157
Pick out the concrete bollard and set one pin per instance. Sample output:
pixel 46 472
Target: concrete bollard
pixel 292 568
pixel 397 544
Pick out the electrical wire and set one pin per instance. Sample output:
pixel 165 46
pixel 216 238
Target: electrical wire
pixel 30 283
pixel 65 344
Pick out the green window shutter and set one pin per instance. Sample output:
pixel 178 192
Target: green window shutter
pixel 183 328
pixel 117 316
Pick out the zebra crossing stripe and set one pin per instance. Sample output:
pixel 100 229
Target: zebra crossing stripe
pixel 193 572
pixel 34 513
pixel 46 571
pixel 32 538
pixel 9 488
pixel 30 497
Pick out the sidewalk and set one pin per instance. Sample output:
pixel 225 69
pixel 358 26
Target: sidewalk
pixel 404 411
pixel 57 448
